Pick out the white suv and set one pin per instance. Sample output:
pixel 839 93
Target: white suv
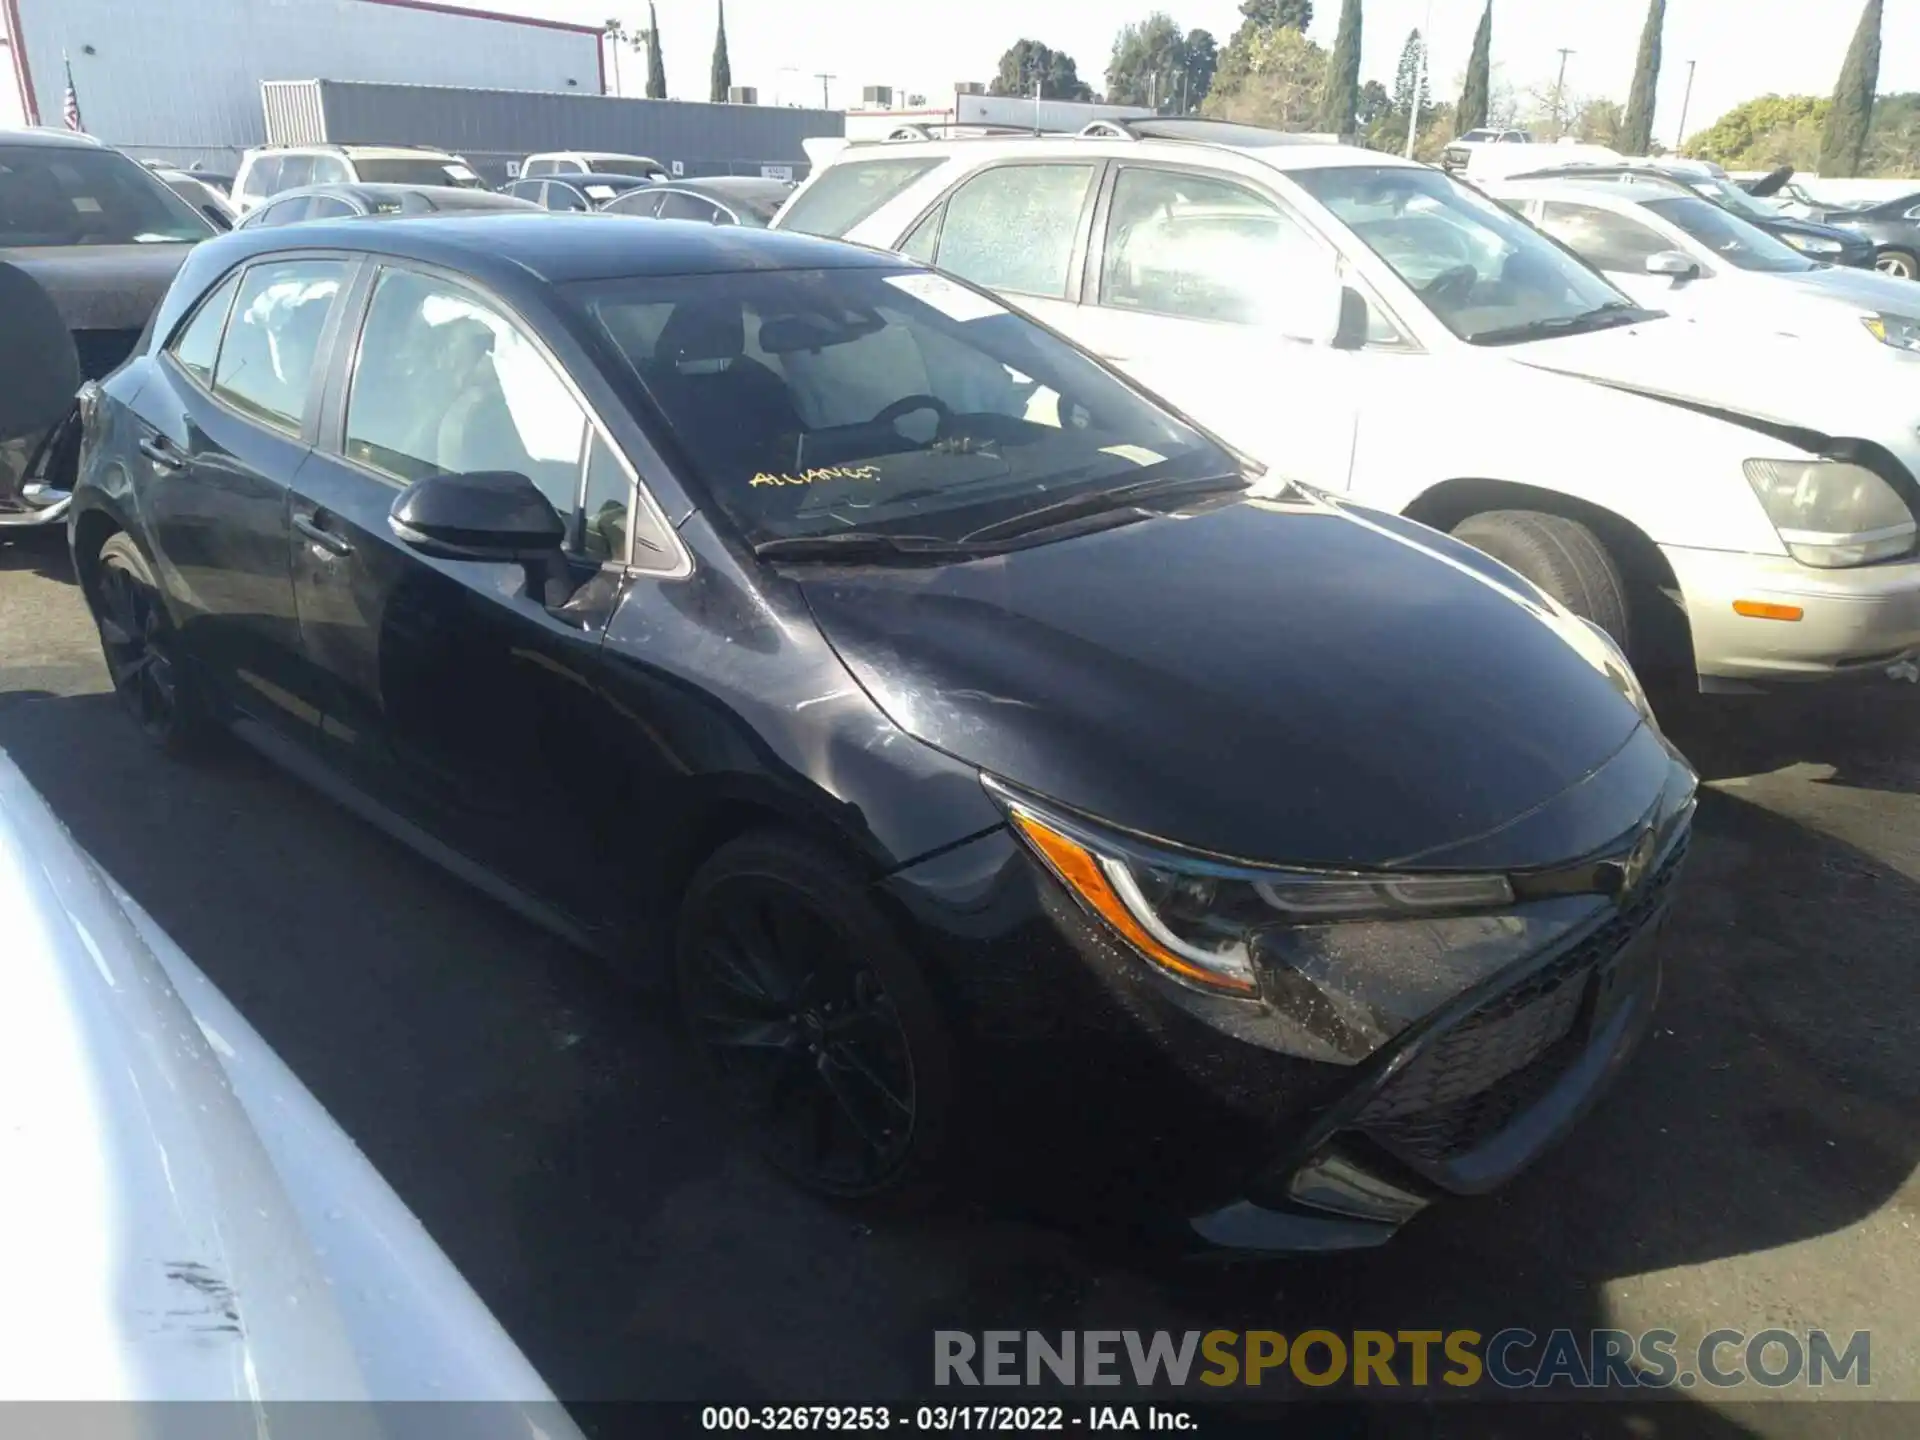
pixel 590 162
pixel 267 171
pixel 1373 327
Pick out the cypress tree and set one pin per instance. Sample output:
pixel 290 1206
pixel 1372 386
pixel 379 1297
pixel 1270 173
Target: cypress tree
pixel 722 70
pixel 1636 135
pixel 1341 97
pixel 1847 123
pixel 656 67
pixel 1471 113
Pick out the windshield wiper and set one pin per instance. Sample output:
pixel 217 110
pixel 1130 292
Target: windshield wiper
pixel 1614 312
pixel 1092 502
pixel 862 545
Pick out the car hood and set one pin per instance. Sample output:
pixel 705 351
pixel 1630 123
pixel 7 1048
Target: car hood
pixel 215 1235
pixel 103 287
pixel 1867 390
pixel 1864 290
pixel 1814 229
pixel 1272 681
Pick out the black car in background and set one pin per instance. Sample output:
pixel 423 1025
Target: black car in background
pixel 1893 229
pixel 722 200
pixel 1816 241
pixel 103 236
pixel 342 201
pixel 1007 780
pixel 575 192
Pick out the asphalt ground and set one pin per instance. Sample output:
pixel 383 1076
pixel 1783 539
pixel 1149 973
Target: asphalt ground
pixel 1754 1168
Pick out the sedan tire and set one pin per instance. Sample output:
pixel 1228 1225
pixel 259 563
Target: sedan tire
pixel 816 1022
pixel 1561 556
pixel 161 692
pixel 1898 263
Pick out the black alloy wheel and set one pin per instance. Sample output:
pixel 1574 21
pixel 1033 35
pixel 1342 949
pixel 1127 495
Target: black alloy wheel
pixel 137 638
pixel 814 1020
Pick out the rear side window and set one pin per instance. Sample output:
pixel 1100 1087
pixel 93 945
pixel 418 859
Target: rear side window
pixel 562 196
pixel 678 205
pixel 537 167
pixel 329 207
pixel 266 362
pixel 330 170
pixel 638 202
pixel 846 194
pixel 1013 227
pixel 1600 237
pixel 284 212
pixel 197 345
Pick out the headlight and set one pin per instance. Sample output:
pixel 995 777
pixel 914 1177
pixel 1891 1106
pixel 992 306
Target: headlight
pixel 1813 244
pixel 1900 331
pixel 1831 513
pixel 1343 962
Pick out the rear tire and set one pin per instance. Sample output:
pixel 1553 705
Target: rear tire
pixel 159 689
pixel 814 1019
pixel 1561 556
pixel 1899 263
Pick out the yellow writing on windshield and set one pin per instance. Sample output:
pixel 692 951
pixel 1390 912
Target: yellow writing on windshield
pixel 813 477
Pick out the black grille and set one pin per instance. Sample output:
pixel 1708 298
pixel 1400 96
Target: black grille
pixel 1472 1081
pixel 101 351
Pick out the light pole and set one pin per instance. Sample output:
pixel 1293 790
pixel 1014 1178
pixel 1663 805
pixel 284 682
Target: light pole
pixel 1686 100
pixel 1560 98
pixel 1419 80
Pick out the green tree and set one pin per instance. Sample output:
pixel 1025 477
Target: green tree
pixel 722 80
pixel 1845 141
pixel 1028 63
pixel 1279 87
pixel 1477 94
pixel 1340 100
pixel 1148 62
pixel 1203 60
pixel 1602 122
pixel 1276 14
pixel 656 65
pixel 1410 88
pixel 615 35
pixel 1374 102
pixel 1742 137
pixel 1636 133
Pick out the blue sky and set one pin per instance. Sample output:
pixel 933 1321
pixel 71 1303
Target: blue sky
pixel 1744 47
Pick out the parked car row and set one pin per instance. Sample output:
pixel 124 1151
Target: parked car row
pixel 1732 504
pixel 1158 608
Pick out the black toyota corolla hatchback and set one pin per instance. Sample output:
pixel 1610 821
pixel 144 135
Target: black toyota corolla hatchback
pixel 1000 770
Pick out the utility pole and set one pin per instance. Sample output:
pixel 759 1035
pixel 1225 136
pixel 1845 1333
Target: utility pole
pixel 1685 101
pixel 1419 80
pixel 1560 97
pixel 825 102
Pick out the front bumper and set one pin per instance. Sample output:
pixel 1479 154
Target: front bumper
pixel 22 505
pixel 1858 621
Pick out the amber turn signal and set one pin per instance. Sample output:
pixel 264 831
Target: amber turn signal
pixel 1764 610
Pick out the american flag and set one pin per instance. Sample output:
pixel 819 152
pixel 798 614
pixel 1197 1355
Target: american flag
pixel 71 109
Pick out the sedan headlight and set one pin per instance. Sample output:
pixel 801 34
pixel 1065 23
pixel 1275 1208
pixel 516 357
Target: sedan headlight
pixel 1831 513
pixel 1900 331
pixel 1343 962
pixel 1813 244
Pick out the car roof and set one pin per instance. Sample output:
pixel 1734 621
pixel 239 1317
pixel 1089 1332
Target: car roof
pixel 1277 149
pixel 359 152
pixel 559 248
pixel 592 177
pixel 1554 187
pixel 53 139
pixel 374 191
pixel 726 187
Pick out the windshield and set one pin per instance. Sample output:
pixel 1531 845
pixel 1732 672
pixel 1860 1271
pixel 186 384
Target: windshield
pixel 817 402
pixel 66 195
pixel 1747 247
pixel 637 166
pixel 1485 273
pixel 424 170
pixel 1730 196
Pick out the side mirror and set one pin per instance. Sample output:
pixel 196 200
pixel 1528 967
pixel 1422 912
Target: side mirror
pixel 1674 264
pixel 487 515
pixel 39 367
pixel 1308 306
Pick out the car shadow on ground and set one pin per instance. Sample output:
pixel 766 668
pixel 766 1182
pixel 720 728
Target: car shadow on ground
pixel 541 1118
pixel 41 551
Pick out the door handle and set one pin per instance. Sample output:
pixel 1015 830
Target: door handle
pixel 333 544
pixel 162 453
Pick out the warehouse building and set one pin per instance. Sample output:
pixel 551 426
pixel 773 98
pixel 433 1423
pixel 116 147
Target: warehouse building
pixel 493 130
pixel 180 80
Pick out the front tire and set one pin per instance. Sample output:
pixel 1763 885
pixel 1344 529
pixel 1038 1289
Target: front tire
pixel 1899 263
pixel 1562 557
pixel 142 651
pixel 816 1022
